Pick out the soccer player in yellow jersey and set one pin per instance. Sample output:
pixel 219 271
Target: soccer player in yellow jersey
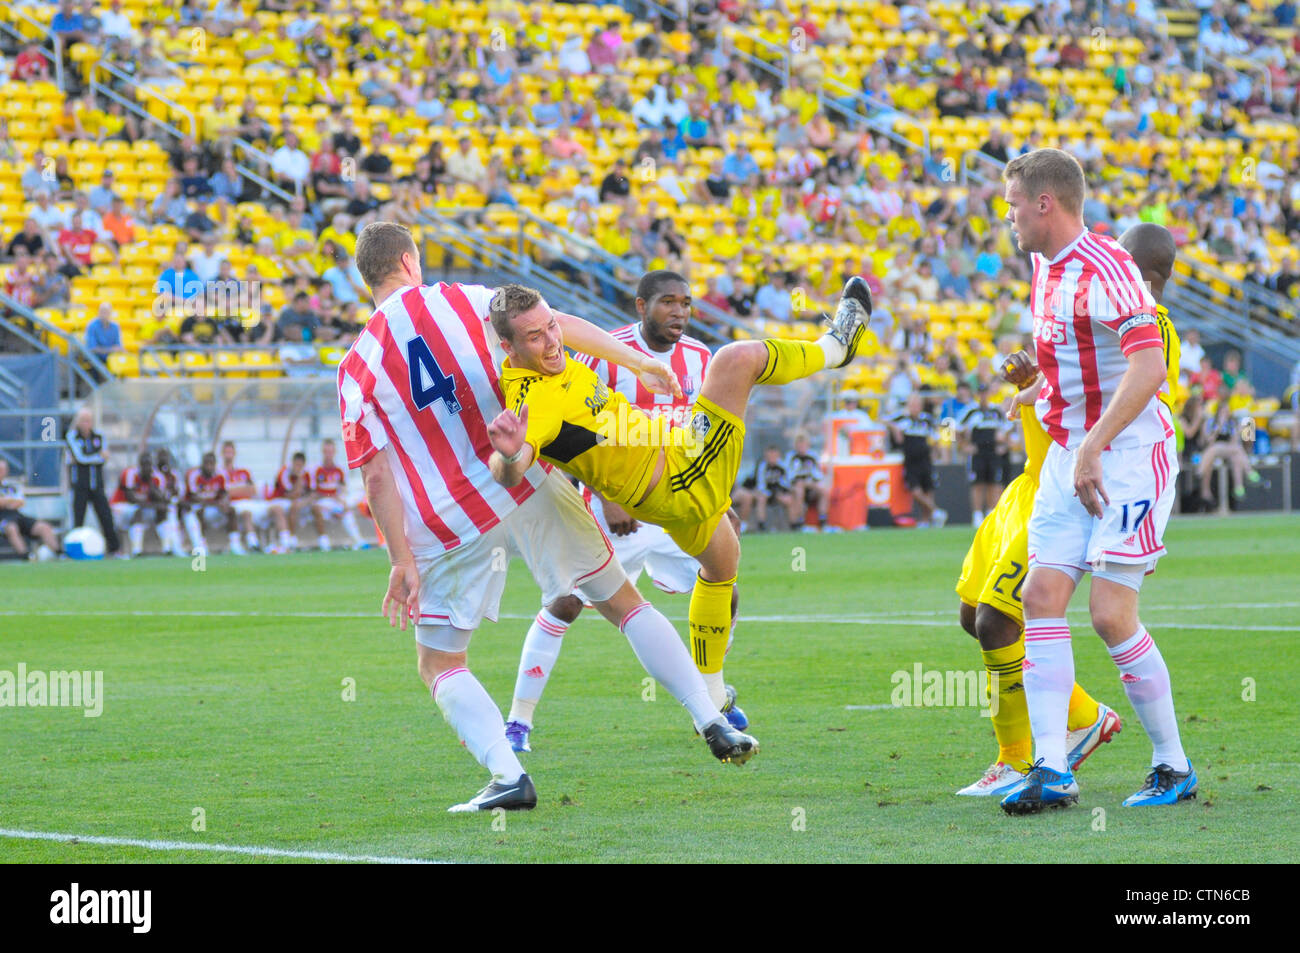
pixel 995 565
pixel 678 478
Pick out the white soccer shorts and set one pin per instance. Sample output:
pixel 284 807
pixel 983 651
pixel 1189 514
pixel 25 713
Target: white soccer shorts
pixel 332 507
pixel 554 533
pixel 122 512
pixel 1141 483
pixel 255 508
pixel 651 549
pixel 210 515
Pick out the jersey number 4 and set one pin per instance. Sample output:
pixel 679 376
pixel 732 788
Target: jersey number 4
pixel 428 382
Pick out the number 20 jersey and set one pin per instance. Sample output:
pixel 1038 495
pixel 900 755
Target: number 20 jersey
pixel 421 383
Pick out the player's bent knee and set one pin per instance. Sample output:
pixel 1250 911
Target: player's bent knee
pixel 566 608
pixel 994 628
pixel 966 614
pixel 433 662
pixel 1047 591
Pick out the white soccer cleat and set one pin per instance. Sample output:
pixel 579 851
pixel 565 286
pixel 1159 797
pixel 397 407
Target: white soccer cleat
pixel 323 543
pixel 237 548
pixel 998 780
pixel 1085 741
pixel 940 517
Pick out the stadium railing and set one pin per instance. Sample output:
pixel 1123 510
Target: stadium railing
pixel 77 364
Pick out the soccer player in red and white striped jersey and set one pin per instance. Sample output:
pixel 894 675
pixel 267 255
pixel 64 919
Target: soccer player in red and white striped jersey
pixel 663 301
pixel 416 392
pixel 241 490
pixel 205 492
pixel 1107 483
pixel 288 496
pixel 330 487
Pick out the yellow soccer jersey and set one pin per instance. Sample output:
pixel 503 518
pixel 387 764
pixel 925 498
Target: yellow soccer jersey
pixel 1036 441
pixel 1173 350
pixel 587 430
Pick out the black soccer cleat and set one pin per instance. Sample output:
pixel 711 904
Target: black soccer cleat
pixel 516 796
pixel 729 745
pixel 850 321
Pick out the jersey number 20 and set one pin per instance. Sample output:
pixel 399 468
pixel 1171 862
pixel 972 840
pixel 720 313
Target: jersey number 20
pixel 428 382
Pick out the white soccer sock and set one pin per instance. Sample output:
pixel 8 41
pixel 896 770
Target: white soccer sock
pixel 717 686
pixel 286 540
pixel 477 721
pixel 1146 682
pixel 195 530
pixel 250 540
pixel 234 538
pixel 349 522
pixel 136 532
pixel 170 535
pixel 1048 680
pixel 833 349
pixel 536 661
pixel 661 652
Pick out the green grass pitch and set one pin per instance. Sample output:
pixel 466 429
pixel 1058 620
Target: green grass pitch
pixel 224 691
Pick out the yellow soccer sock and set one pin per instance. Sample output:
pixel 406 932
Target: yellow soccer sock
pixel 791 360
pixel 1011 716
pixel 710 623
pixel 1083 709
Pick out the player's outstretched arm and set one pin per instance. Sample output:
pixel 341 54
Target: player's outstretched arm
pixel 401 601
pixel 1146 372
pixel 513 455
pixel 583 336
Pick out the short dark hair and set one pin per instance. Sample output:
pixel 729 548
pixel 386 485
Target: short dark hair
pixel 300 456
pixel 1052 171
pixel 508 303
pixel 653 283
pixel 380 248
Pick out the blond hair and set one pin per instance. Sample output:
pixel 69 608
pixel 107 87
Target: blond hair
pixel 1052 171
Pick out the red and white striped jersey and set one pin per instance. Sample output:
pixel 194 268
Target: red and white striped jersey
pixel 421 383
pixel 236 477
pixel 202 488
pixel 327 480
pixel 689 359
pixel 129 479
pixel 286 481
pixel 1091 310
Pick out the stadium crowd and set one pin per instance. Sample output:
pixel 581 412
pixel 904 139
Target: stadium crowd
pixel 647 143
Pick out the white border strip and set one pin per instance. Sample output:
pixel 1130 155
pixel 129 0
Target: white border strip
pixel 176 845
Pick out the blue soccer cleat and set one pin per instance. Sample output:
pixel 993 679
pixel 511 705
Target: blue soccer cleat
pixel 1164 785
pixel 517 735
pixel 735 716
pixel 1042 787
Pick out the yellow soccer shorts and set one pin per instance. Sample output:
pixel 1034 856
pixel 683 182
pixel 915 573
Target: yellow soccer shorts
pixel 998 559
pixel 694 492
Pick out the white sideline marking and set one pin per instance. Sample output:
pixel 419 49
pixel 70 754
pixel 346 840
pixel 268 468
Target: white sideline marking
pixel 176 845
pixel 894 619
pixel 871 707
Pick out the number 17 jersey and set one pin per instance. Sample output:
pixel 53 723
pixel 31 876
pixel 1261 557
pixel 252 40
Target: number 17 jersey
pixel 420 384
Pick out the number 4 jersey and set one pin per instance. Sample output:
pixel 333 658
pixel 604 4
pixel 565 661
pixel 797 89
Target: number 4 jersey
pixel 421 383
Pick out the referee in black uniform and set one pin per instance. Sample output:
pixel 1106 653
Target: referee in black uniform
pixel 86 474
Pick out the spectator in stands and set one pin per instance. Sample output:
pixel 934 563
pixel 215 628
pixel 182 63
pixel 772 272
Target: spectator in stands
pixel 31 66
pixel 345 280
pixel 1232 371
pixel 17 527
pixel 615 186
pixel 177 284
pixel 52 287
pixel 297 322
pixel 20 281
pixel 1191 353
pixel 38 178
pixel 1226 441
pixel 70 25
pixel 903 382
pixel 29 239
pixel 464 166
pixel 77 242
pixel 170 206
pixel 773 301
pixel 290 165
pixel 103 334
